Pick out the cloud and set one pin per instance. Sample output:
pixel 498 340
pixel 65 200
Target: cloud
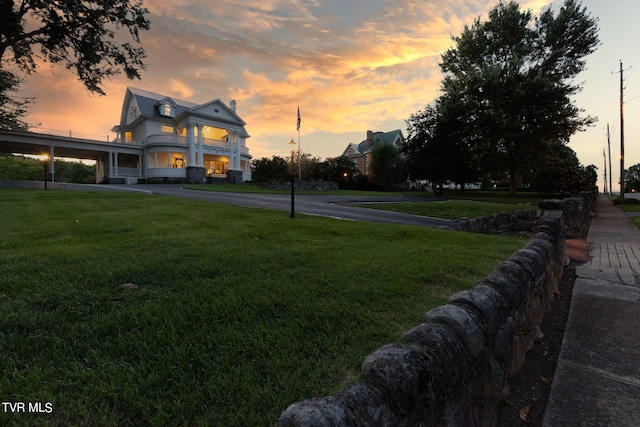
pixel 350 65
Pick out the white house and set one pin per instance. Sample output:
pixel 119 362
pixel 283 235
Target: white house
pixel 179 139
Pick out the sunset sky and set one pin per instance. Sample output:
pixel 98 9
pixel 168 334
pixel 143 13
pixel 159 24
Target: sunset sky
pixel 351 65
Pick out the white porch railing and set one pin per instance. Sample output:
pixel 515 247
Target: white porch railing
pixel 127 171
pixel 166 173
pixel 165 139
pixel 168 139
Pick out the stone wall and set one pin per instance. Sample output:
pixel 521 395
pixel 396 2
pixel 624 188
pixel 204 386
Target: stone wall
pixel 453 368
pixel 517 222
pixel 301 185
pixel 576 212
pixel 576 217
pixel 234 176
pixel 196 174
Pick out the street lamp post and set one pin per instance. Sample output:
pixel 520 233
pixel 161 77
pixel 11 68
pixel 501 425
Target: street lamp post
pixel 44 162
pixel 293 152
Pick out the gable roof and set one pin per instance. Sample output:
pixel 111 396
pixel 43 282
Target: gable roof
pixel 351 150
pixel 379 138
pixel 148 102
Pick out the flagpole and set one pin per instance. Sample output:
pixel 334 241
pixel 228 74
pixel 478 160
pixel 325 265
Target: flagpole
pixel 298 126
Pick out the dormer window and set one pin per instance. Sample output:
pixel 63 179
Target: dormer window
pixel 166 107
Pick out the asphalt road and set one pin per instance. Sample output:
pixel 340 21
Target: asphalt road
pixel 333 206
pixel 322 205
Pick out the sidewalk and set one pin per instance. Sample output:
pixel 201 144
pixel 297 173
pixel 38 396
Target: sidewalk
pixel 597 378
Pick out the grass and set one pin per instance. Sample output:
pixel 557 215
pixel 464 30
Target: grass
pixel 238 312
pixel 522 197
pixel 250 188
pixel 630 205
pixel 451 209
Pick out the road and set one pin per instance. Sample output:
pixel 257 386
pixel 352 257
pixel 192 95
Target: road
pixel 332 206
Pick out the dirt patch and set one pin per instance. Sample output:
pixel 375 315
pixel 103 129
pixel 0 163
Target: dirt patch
pixel 529 389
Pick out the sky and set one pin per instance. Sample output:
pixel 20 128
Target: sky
pixel 350 66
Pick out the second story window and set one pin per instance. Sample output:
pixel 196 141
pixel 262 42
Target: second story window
pixel 166 129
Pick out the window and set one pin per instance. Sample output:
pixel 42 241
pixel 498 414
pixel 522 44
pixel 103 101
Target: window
pixel 216 167
pixel 128 137
pixel 166 129
pixel 167 110
pixel 177 160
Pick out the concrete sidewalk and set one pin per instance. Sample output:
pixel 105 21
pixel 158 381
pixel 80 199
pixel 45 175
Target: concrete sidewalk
pixel 597 378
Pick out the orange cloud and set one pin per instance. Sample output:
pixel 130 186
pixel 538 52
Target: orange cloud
pixel 351 66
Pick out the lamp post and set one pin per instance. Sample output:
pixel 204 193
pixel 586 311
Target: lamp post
pixel 44 162
pixel 293 152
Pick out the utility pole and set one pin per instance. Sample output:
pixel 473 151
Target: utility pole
pixel 621 133
pixel 610 170
pixel 605 172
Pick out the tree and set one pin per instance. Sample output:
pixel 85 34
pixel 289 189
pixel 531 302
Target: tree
pixel 385 165
pixel 632 179
pixel 12 109
pixel 425 152
pixel 274 169
pixel 308 164
pixel 20 168
pixel 84 35
pixel 559 172
pixel 337 169
pixel 513 76
pixel 438 148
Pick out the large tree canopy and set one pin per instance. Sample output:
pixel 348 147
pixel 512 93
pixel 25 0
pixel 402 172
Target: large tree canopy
pixel 385 165
pixel 513 76
pixel 438 148
pixel 87 36
pixel 12 109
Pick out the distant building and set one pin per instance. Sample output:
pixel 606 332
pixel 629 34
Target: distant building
pixel 360 153
pixel 180 139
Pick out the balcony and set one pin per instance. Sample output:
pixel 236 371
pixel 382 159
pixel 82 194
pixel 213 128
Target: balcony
pixel 165 139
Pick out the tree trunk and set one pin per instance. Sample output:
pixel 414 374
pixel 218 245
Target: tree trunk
pixel 513 183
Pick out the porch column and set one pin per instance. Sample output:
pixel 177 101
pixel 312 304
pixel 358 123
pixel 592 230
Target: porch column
pixel 115 163
pixel 111 167
pixel 235 134
pixel 200 146
pixel 52 165
pixel 192 147
pixel 231 154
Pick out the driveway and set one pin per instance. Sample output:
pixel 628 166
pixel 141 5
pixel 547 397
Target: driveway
pixel 332 206
pixel 322 205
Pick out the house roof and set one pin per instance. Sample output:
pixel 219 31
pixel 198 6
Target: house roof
pixel 378 139
pixel 148 104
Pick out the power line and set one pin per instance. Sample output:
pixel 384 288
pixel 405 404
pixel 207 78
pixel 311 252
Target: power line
pixel 629 100
pixel 635 55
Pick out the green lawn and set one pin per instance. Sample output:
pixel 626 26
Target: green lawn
pixel 251 188
pixel 238 312
pixel 631 205
pixel 451 209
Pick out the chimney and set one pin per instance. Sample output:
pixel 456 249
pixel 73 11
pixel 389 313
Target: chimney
pixel 369 139
pixel 232 105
